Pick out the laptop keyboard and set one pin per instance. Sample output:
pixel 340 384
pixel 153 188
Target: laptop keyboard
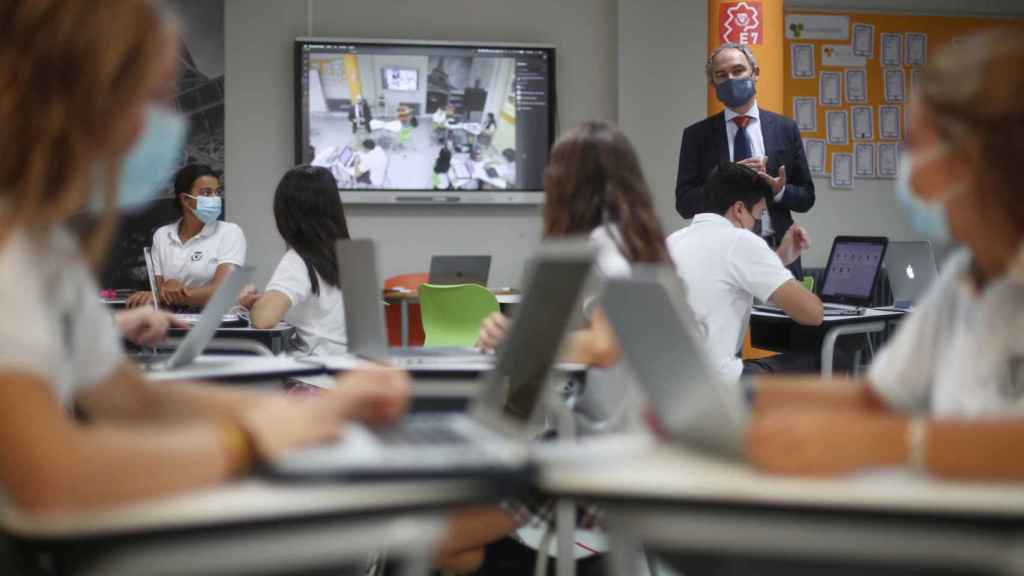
pixel 429 432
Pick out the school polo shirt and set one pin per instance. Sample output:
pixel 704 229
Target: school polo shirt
pixel 194 262
pixel 960 353
pixel 319 319
pixel 54 326
pixel 724 268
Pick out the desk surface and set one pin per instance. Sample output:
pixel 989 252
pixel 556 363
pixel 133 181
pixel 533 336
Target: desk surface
pixel 250 501
pixel 670 473
pixel 503 296
pixel 233 367
pixel 870 315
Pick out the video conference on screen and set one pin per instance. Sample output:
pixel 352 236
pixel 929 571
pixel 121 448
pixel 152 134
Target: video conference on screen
pixel 383 119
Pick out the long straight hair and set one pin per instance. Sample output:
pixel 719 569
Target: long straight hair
pixel 310 218
pixel 593 179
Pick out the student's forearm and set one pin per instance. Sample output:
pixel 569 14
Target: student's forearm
pixel 106 466
pixel 975 449
pixel 127 397
pixel 50 462
pixel 265 313
pixel 198 297
pixel 782 392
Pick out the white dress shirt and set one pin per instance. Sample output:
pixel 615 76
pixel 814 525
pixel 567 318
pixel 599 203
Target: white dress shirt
pixel 756 140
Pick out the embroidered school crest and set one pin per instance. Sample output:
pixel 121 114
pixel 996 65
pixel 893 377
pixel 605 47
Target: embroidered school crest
pixel 197 255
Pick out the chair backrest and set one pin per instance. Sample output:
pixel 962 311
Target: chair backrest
pixel 452 313
pixel 809 282
pixel 410 281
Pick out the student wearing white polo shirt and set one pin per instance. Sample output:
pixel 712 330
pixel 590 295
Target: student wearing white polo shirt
pixel 192 255
pixel 372 165
pixel 304 290
pixel 946 394
pixel 725 266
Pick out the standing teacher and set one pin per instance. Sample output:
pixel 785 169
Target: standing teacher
pixel 765 141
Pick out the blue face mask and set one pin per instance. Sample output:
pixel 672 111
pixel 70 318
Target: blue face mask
pixel 148 165
pixel 928 218
pixel 207 208
pixel 735 92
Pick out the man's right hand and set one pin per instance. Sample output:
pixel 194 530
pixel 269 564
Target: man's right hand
pixel 758 164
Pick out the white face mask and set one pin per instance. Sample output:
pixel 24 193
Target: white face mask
pixel 927 218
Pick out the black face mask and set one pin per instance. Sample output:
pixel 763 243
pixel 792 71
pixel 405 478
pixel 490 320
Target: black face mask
pixel 735 92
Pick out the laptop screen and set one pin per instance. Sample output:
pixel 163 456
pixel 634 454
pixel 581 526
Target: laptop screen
pixel 852 268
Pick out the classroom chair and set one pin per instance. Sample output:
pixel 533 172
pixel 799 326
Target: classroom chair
pixel 452 313
pixel 393 313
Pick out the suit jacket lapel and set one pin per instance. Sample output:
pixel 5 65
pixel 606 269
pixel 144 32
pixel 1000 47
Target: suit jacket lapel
pixel 771 143
pixel 721 137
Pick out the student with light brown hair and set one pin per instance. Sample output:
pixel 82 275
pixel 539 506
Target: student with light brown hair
pixel 946 395
pixel 88 99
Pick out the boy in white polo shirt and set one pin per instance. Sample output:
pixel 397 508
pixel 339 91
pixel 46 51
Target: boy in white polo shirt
pixel 725 266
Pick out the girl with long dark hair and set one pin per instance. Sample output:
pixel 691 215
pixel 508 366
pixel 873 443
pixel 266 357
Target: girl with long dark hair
pixel 305 289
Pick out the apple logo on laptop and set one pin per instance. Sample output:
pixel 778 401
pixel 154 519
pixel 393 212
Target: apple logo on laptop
pixel 910 271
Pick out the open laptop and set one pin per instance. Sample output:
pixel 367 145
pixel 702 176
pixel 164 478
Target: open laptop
pixel 190 319
pixel 911 268
pixel 364 315
pixel 459 270
pixel 849 277
pixel 206 327
pixel 490 436
pixel 661 341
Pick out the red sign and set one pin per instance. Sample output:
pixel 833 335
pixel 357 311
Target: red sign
pixel 740 22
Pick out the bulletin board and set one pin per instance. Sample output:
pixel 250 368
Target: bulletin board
pixel 848 78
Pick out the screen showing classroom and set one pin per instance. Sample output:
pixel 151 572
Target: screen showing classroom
pixel 426 122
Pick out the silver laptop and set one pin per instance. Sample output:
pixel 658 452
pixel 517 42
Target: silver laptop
pixel 190 319
pixel 848 281
pixel 661 340
pixel 459 270
pixel 364 315
pixel 490 436
pixel 911 268
pixel 206 327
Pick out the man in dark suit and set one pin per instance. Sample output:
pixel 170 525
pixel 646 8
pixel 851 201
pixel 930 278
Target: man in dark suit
pixel 767 142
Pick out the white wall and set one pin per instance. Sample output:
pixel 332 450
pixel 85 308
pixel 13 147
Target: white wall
pixel 260 111
pixel 662 49
pixel 636 61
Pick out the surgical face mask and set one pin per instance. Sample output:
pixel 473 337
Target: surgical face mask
pixel 207 208
pixel 735 92
pixel 927 218
pixel 149 163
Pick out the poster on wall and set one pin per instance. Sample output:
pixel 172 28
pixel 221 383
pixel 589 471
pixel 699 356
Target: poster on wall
pixel 199 98
pixel 200 90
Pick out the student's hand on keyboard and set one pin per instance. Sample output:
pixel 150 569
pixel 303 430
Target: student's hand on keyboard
pixel 822 442
pixel 492 332
pixel 139 299
pixel 281 423
pixel 146 326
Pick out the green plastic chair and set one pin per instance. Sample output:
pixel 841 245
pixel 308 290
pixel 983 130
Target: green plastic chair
pixel 452 313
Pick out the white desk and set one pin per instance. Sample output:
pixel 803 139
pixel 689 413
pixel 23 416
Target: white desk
pixel 229 367
pixel 873 320
pixel 680 500
pixel 250 519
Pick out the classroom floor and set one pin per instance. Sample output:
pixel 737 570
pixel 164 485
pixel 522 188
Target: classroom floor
pixel 410 164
